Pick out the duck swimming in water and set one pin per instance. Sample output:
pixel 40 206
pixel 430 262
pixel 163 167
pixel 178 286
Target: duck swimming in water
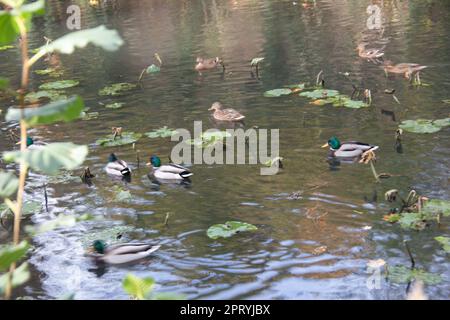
pixel 407 69
pixel 222 114
pixel 370 54
pixel 168 172
pixel 352 149
pixel 121 253
pixel 117 167
pixel 208 64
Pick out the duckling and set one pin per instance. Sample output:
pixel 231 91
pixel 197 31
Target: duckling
pixel 34 145
pixel 408 69
pixel 371 54
pixel 121 253
pixel 117 167
pixel 352 149
pixel 229 114
pixel 208 64
pixel 168 172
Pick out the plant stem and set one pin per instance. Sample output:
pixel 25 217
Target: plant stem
pixel 375 174
pixel 23 147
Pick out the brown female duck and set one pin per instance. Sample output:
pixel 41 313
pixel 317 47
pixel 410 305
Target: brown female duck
pixel 371 54
pixel 208 64
pixel 222 114
pixel 407 69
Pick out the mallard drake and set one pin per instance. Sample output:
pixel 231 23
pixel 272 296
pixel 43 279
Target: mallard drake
pixel 34 145
pixel 117 167
pixel 407 69
pixel 168 171
pixel 222 114
pixel 121 253
pixel 350 149
pixel 371 54
pixel 208 64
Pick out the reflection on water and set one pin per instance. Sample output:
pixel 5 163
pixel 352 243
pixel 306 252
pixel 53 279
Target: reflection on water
pixel 335 206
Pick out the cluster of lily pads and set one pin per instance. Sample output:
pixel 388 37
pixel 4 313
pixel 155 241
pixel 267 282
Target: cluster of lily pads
pixel 424 125
pixel 318 95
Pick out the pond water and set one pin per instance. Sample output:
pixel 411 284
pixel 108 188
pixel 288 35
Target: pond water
pixel 297 40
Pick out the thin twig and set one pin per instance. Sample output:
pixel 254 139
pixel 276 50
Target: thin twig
pixel 46 197
pixel 413 263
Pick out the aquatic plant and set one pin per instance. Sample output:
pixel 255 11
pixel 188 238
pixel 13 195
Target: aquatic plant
pixel 228 229
pixel 16 22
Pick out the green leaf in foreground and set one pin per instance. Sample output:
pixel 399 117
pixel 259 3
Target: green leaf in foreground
pixel 19 277
pixel 163 132
pixel 29 208
pixel 136 287
pixel 153 69
pixel 61 110
pixel 58 85
pixel 4 83
pixel 402 274
pixel 126 138
pixel 12 253
pixel 108 40
pixel 8 184
pixel 117 89
pixel 229 229
pixel 445 242
pixel 50 158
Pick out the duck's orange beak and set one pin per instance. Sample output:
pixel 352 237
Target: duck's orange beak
pixel 210 109
pixel 148 164
pixel 17 143
pixel 325 145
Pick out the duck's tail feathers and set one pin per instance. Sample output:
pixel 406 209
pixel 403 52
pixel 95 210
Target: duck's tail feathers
pixel 374 148
pixel 125 172
pixel 186 174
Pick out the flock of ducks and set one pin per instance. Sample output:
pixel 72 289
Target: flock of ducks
pixel 168 173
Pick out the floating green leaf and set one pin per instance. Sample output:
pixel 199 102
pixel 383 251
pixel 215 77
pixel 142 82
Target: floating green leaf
pixel 53 95
pixel 209 138
pixel 117 89
pixel 53 72
pixel 115 105
pixel 355 104
pixel 229 229
pixel 277 93
pixel 58 85
pixel 126 138
pixel 153 69
pixel 19 277
pixel 108 40
pixel 138 288
pixel 413 220
pixel 8 184
pixel 445 242
pixel 442 122
pixel 110 235
pixel 163 132
pixel 320 94
pixel 256 61
pixel 402 274
pixel 61 110
pixel 446 101
pixel 434 206
pixel 12 253
pixel 121 195
pixel 89 115
pixel 50 158
pixel 422 125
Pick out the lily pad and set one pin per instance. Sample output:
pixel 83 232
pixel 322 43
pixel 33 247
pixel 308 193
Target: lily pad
pixel 435 206
pixel 115 105
pixel 58 85
pixel 111 235
pixel 442 122
pixel 209 138
pixel 420 126
pixel 117 89
pixel 445 242
pixel 121 195
pixel 413 220
pixel 53 95
pixel 355 104
pixel 86 116
pixel 402 274
pixel 126 138
pixel 163 132
pixel 53 72
pixel 229 229
pixel 277 93
pixel 153 69
pixel 320 94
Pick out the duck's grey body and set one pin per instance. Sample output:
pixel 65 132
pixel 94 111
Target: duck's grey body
pixel 171 172
pixel 126 253
pixel 118 168
pixel 352 149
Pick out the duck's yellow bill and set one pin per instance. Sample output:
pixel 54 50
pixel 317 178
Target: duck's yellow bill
pixel 18 142
pixel 148 164
pixel 325 145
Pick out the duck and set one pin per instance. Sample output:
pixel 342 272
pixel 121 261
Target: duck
pixel 370 54
pixel 33 144
pixel 222 114
pixel 169 172
pixel 121 253
pixel 117 167
pixel 352 149
pixel 208 64
pixel 408 69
